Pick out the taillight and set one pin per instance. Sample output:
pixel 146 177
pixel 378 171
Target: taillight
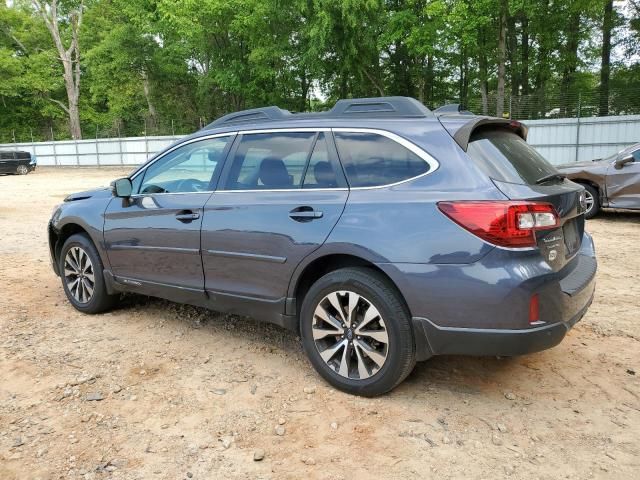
pixel 534 309
pixel 504 223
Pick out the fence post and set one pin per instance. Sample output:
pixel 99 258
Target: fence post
pixel 97 149
pixel 146 142
pixel 120 144
pixel 578 126
pixel 53 144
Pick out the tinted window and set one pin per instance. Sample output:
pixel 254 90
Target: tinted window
pixel 371 160
pixel 636 156
pixel 505 156
pixel 321 171
pixel 189 168
pixel 270 161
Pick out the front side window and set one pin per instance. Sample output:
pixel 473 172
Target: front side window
pixel 189 168
pixel 372 160
pixel 270 161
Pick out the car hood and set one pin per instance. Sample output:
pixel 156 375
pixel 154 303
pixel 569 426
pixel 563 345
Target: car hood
pixel 102 192
pixel 581 165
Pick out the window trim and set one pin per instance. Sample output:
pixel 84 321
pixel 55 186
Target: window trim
pixel 412 147
pixel 142 170
pixel 333 158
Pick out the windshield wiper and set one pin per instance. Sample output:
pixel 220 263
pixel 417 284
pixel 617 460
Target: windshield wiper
pixel 551 176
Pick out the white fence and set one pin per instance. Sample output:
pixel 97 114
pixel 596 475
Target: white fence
pixel 561 140
pixel 103 151
pixel 567 140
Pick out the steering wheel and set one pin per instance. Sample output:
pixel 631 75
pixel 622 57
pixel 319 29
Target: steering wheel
pixel 191 185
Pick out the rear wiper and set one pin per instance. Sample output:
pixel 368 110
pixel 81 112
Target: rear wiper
pixel 551 176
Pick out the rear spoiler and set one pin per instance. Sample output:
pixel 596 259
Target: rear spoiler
pixel 460 127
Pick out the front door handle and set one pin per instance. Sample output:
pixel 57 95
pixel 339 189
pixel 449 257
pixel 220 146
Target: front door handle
pixel 187 216
pixel 304 214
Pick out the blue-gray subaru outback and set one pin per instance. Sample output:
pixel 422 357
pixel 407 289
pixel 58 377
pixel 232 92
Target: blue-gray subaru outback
pixel 383 232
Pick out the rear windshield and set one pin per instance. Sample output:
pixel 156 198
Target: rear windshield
pixel 505 156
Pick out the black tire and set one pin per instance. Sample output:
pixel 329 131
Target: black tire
pixel 100 300
pixel 380 293
pixel 595 209
pixel 22 170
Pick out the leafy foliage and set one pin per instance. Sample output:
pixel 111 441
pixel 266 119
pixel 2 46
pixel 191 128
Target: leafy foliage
pixel 163 66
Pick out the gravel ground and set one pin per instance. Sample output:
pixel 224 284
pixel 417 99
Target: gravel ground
pixel 159 390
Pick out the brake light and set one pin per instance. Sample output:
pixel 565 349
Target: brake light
pixel 503 223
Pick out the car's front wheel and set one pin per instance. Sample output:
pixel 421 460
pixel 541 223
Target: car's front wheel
pixel 22 170
pixel 82 279
pixel 356 331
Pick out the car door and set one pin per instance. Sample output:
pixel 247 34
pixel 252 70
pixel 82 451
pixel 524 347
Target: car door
pixel 153 238
pixel 282 193
pixel 6 162
pixel 623 185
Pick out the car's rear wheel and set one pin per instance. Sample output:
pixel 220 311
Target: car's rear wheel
pixel 22 170
pixel 81 273
pixel 592 198
pixel 356 331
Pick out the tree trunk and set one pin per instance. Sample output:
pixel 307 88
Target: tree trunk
pixel 570 62
pixel 524 73
pixel 484 75
pixel 430 79
pixel 502 53
pixel 153 115
pixel 607 26
pixel 70 58
pixel 513 55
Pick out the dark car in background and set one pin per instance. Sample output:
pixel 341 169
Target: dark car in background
pixel 16 162
pixel 380 231
pixel 611 182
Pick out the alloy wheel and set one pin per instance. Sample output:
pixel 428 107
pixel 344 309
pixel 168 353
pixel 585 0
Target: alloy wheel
pixel 22 170
pixel 350 335
pixel 79 275
pixel 588 198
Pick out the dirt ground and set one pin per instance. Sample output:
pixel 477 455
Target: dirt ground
pixel 188 393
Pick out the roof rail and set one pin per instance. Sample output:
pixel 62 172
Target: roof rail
pixel 253 115
pixel 380 107
pixel 452 108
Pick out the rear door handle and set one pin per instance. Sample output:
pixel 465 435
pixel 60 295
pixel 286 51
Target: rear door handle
pixel 187 216
pixel 305 214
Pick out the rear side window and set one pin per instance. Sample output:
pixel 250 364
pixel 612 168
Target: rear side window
pixel 506 157
pixel 372 160
pixel 270 161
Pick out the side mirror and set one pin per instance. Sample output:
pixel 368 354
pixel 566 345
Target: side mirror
pixel 122 188
pixel 621 162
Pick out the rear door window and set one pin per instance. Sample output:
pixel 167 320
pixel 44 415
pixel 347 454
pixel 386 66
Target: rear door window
pixel 371 160
pixel 505 156
pixel 270 161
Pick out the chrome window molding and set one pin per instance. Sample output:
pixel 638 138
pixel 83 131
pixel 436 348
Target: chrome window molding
pixel 412 147
pixel 284 130
pixel 306 190
pixel 138 195
pixel 432 162
pixel 175 147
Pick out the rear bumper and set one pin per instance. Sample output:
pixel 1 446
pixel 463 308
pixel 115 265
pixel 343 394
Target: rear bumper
pixel 434 340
